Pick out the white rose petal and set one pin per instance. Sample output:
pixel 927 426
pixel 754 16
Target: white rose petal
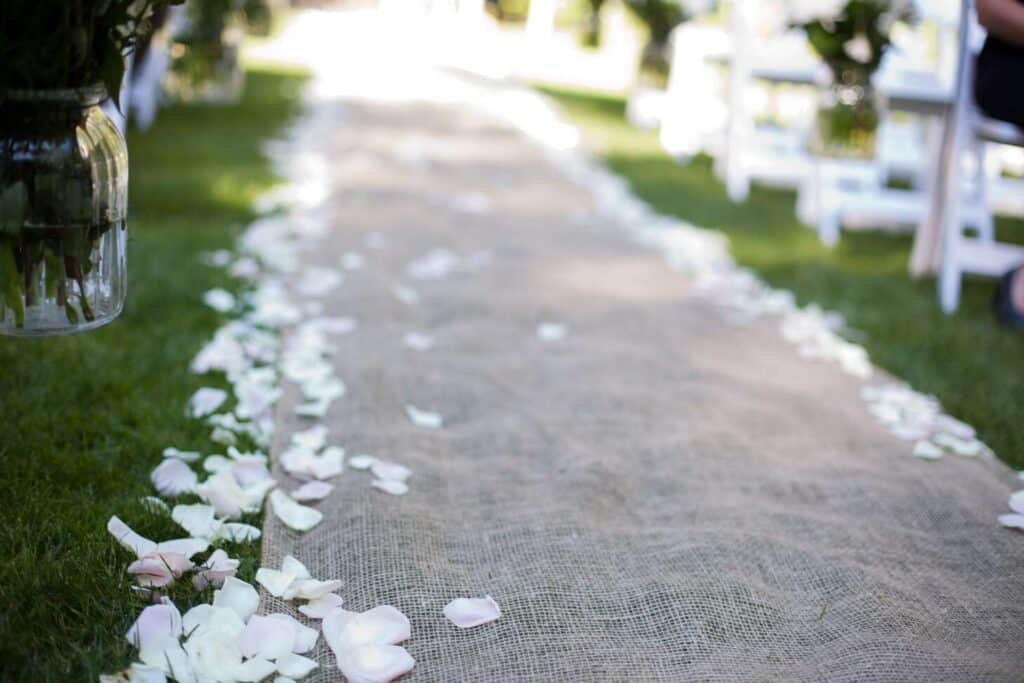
pixel 470 612
pixel 927 450
pixel 219 300
pixel 128 538
pixel 417 341
pixel 236 532
pixel 549 332
pixel 1017 502
pixel 361 462
pixel 390 471
pixel 254 670
pixel 322 606
pixel 158 569
pixel 424 418
pixel 217 568
pixel 314 490
pixel 295 666
pixel 206 401
pixel 239 596
pixel 217 463
pixel 375 663
pixel 311 589
pixel 154 623
pixel 294 515
pixel 155 505
pixel 382 625
pixel 187 456
pixel 1012 521
pixel 292 566
pixel 313 438
pixel 266 638
pixel 407 295
pixel 173 477
pixel 198 520
pixel 183 546
pixel 304 638
pixel 223 436
pixel 395 488
pixel 274 581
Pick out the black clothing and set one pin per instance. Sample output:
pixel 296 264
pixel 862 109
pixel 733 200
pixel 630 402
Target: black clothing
pixel 999 80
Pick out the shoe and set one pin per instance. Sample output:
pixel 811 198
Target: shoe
pixel 1002 303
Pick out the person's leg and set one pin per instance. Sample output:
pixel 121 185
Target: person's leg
pixel 1008 302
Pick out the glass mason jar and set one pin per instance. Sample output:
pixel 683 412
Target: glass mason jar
pixel 846 124
pixel 63 210
pixel 205 66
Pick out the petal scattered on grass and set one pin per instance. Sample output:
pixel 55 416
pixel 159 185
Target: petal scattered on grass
pixel 173 477
pixel 292 514
pixel 470 612
pixel 217 569
pixel 128 538
pixel 219 300
pixel 424 418
pixel 187 456
pixel 154 623
pixel 206 401
pixel 198 520
pixel 238 596
pixel 266 638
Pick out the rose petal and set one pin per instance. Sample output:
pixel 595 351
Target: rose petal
pixel 238 596
pixel 1012 521
pixel 390 471
pixel 927 450
pixel 418 341
pixel 292 566
pixel 274 581
pixel 185 546
pixel 382 625
pixel 550 332
pixel 153 623
pixel 395 488
pixel 313 438
pixel 173 477
pixel 155 505
pixel 424 418
pixel 206 401
pixel 223 436
pixel 375 663
pixel 128 538
pixel 198 520
pixel 254 670
pixel 1017 502
pixel 186 456
pixel 217 568
pixel 469 612
pixel 322 606
pixel 217 463
pixel 159 569
pixel 314 490
pixel 407 295
pixel 304 637
pixel 361 462
pixel 311 589
pixel 168 656
pixel 219 300
pixel 236 532
pixel 266 638
pixel 295 666
pixel 292 514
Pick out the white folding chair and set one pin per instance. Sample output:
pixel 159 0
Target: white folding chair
pixel 967 131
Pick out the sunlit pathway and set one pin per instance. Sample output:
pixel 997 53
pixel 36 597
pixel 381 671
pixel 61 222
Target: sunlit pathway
pixel 655 494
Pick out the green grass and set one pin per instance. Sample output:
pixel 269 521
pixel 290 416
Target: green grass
pixel 973 366
pixel 85 417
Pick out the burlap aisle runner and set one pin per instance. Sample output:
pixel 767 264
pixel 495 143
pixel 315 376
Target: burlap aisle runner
pixel 659 496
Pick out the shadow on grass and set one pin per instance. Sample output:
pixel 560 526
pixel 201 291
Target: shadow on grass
pixel 972 365
pixel 85 417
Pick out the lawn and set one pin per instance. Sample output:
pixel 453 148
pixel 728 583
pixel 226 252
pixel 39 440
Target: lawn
pixel 85 417
pixel 973 366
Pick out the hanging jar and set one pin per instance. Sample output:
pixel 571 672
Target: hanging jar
pixel 846 124
pixel 63 210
